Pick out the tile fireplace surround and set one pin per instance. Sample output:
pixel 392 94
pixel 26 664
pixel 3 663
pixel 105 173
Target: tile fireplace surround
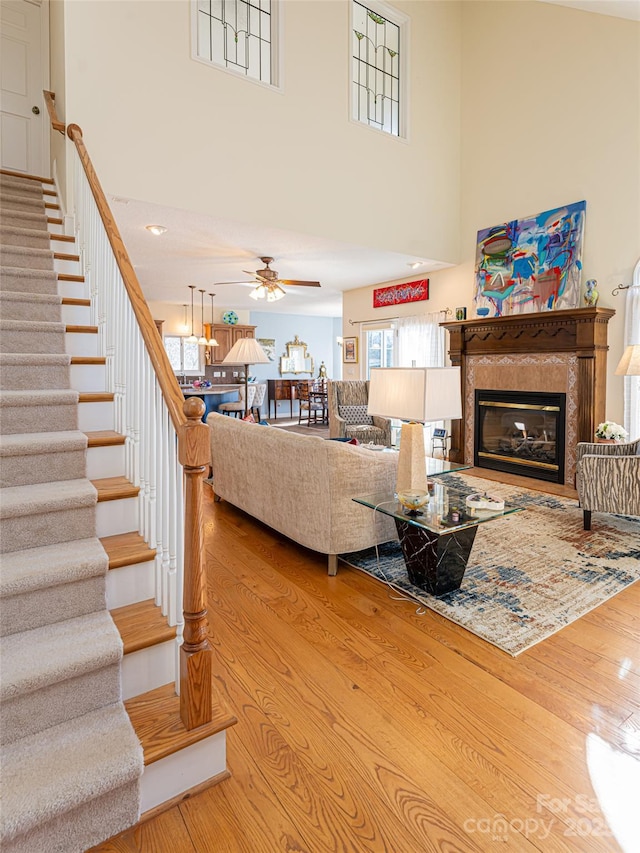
pixel 555 351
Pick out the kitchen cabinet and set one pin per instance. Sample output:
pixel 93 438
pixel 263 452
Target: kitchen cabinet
pixel 226 335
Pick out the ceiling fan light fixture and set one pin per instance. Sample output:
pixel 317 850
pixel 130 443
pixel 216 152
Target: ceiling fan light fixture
pixel 274 293
pixel 260 292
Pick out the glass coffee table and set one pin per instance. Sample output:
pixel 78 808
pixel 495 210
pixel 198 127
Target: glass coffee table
pixel 436 542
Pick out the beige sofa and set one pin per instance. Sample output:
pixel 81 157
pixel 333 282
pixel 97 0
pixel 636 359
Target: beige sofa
pixel 302 486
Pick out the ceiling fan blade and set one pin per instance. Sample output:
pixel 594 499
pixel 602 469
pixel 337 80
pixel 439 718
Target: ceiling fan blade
pixel 294 283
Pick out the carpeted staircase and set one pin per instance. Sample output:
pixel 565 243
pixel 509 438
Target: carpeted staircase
pixel 71 762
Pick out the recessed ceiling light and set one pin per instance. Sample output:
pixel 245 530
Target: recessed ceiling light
pixel 156 229
pixel 415 264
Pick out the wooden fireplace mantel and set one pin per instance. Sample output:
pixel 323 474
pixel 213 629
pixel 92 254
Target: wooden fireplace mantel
pixel 581 331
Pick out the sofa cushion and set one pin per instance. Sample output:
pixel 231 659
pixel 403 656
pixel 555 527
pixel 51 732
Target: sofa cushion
pixel 355 414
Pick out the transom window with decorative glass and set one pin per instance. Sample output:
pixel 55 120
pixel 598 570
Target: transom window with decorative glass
pixel 239 35
pixel 377 62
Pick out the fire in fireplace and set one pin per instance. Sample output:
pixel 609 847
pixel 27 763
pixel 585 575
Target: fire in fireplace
pixel 521 432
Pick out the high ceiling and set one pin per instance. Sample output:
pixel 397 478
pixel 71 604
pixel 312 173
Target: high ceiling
pixel 203 251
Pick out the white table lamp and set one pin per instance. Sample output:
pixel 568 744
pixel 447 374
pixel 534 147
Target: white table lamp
pixel 416 395
pixel 246 351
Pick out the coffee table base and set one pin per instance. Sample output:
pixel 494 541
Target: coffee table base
pixel 435 562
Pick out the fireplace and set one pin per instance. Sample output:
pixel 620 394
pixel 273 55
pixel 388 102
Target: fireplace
pixel 520 432
pixel 550 352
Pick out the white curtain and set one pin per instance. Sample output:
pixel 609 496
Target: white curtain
pixel 632 336
pixel 421 343
pixel 421 340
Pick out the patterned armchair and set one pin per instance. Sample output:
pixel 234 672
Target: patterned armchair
pixel 348 414
pixel 608 478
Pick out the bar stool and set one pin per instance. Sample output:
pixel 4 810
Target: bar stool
pixel 238 407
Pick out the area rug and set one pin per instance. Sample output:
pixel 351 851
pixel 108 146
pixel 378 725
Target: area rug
pixel 529 574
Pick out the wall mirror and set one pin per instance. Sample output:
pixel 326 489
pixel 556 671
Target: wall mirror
pixel 296 360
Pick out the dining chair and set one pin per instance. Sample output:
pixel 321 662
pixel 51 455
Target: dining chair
pixel 237 408
pixel 309 407
pixel 260 389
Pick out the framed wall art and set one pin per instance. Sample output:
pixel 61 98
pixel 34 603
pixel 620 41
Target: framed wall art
pixel 350 350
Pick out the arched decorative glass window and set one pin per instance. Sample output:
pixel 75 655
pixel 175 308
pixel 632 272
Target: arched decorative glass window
pixel 238 35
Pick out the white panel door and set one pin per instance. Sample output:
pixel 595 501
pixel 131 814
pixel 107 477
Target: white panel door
pixel 23 145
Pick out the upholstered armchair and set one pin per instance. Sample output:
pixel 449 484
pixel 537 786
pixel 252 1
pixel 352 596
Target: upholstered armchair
pixel 608 478
pixel 348 416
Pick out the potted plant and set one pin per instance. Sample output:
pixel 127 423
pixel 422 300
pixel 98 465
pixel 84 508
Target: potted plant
pixel 610 433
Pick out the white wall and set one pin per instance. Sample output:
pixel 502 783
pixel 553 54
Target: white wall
pixel 166 129
pixel 550 115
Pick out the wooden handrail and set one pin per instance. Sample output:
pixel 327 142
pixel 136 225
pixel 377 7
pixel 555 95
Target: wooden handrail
pixel 50 103
pixel 169 387
pixel 196 706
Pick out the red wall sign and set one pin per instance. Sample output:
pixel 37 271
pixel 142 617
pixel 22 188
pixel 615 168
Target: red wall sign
pixel 397 294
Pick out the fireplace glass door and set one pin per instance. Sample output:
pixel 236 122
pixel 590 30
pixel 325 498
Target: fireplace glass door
pixel 521 433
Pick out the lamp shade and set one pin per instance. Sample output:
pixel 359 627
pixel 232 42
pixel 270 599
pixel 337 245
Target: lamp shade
pixel 629 364
pixel 246 351
pixel 415 393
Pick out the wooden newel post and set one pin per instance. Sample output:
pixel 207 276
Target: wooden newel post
pixel 195 652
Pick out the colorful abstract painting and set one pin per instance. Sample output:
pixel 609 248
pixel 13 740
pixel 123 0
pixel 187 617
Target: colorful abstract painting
pixel 397 294
pixel 532 264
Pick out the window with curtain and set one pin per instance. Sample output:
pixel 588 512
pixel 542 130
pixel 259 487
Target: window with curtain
pixel 421 343
pixel 421 339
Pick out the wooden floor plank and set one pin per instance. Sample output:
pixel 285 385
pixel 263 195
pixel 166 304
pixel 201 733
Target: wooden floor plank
pixel 364 725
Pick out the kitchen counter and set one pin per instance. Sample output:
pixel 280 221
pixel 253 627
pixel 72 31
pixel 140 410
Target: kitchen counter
pixel 212 397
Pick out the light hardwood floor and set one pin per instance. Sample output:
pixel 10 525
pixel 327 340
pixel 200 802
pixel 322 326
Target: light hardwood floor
pixel 365 725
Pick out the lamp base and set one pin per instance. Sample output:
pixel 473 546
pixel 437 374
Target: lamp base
pixel 412 469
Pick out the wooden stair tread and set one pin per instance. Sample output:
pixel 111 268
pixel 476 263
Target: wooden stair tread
pixel 126 549
pixel 28 177
pixel 74 300
pixel 52 207
pixel 155 717
pixel 65 276
pixel 81 330
pixel 142 625
pixel 95 397
pixel 104 438
pixel 115 488
pixel 49 192
pixel 65 256
pixel 54 220
pixel 88 359
pixel 64 238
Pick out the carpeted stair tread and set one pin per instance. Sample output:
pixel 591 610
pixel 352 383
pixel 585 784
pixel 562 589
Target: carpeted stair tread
pixel 38 411
pixel 35 336
pixel 19 305
pixel 10 201
pixel 73 762
pixel 24 280
pixel 34 659
pixel 39 586
pixel 17 235
pixel 29 500
pixel 26 444
pixel 28 219
pixel 39 457
pixel 26 371
pixel 50 565
pixel 20 186
pixel 33 259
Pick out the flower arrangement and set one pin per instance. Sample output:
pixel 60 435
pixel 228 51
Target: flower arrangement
pixel 611 432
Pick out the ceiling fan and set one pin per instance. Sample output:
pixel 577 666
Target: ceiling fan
pixel 269 284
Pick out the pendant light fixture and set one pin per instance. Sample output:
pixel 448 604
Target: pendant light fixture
pixel 192 339
pixel 185 325
pixel 212 342
pixel 202 340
